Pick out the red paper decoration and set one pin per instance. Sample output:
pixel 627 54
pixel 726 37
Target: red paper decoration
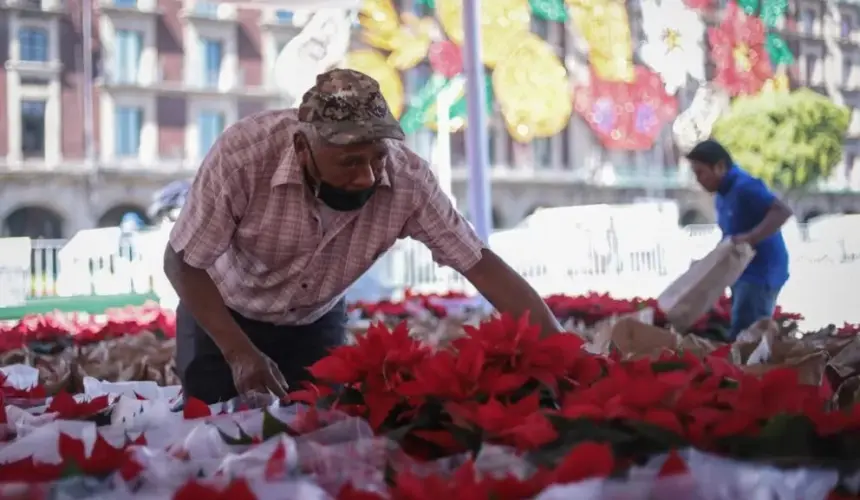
pixel 446 58
pixel 698 4
pixel 738 51
pixel 626 115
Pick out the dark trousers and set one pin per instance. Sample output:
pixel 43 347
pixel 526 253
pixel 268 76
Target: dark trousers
pixel 205 374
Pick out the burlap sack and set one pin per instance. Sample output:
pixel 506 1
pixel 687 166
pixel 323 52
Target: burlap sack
pixel 697 290
pixel 635 340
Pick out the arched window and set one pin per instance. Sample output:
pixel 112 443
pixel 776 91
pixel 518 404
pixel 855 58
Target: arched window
pixel 33 222
pixel 113 217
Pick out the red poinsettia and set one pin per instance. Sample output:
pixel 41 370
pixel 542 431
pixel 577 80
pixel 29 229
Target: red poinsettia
pixel 103 459
pixel 626 115
pixel 238 489
pixel 738 51
pixel 380 361
pixel 521 424
pixel 68 408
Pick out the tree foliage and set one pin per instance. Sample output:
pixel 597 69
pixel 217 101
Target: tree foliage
pixel 788 140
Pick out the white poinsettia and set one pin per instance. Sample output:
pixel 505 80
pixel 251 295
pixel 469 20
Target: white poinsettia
pixel 674 42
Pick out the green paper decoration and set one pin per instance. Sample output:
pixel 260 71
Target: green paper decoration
pixel 430 4
pixel 778 51
pixel 549 10
pixel 773 11
pixel 748 6
pixel 460 108
pixel 421 107
pixel 415 116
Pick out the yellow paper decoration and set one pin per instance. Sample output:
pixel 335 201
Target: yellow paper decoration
pixel 407 43
pixel 533 90
pixel 606 28
pixel 778 84
pixel 503 23
pixel 373 63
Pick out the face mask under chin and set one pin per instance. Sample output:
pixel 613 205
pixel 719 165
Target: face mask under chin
pixel 339 199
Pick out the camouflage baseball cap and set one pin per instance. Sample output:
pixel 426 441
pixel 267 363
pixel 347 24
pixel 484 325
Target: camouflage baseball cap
pixel 347 107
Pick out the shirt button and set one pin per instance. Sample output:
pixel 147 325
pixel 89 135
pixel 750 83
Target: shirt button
pixel 292 309
pixel 304 285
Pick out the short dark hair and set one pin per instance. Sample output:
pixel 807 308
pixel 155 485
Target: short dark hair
pixel 710 152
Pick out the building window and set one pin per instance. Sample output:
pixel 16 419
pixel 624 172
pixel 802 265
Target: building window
pixel 807 21
pixel 33 44
pixel 284 16
pixel 542 150
pixel 809 60
pixel 849 164
pixel 129 122
pixel 847 25
pixel 210 125
pixel 33 129
pixel 125 3
pixel 847 67
pixel 212 53
pixel 129 47
pixel 206 9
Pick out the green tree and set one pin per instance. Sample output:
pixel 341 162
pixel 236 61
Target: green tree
pixel 789 140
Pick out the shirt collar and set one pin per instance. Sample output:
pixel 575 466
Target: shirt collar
pixel 729 179
pixel 290 172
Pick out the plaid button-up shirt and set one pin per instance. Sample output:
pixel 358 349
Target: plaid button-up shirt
pixel 252 223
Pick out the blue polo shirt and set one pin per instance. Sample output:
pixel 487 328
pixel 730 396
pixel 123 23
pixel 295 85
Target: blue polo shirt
pixel 742 203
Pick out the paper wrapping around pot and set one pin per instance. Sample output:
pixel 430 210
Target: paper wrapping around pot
pixel 601 335
pixel 810 367
pixel 696 291
pixel 134 357
pixel 56 371
pixel 634 339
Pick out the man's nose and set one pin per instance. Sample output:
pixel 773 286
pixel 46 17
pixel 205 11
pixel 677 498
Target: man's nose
pixel 364 178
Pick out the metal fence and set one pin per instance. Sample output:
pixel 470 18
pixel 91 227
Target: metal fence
pixel 624 265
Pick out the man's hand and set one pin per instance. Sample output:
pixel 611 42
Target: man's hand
pixel 740 239
pixel 254 371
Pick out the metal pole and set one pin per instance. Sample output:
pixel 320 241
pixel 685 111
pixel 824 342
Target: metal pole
pixel 87 27
pixel 477 153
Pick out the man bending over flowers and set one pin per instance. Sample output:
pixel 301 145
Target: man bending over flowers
pixel 288 209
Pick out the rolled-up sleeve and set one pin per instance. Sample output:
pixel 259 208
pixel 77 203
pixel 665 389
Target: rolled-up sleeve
pixel 438 225
pixel 211 213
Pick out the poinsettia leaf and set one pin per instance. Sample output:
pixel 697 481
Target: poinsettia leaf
pixel 549 10
pixel 668 366
pixel 71 469
pixel 471 438
pixel 272 426
pixel 652 438
pixel 242 440
pixel 773 11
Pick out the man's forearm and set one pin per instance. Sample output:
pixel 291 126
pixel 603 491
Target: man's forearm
pixel 772 222
pixel 509 292
pixel 201 297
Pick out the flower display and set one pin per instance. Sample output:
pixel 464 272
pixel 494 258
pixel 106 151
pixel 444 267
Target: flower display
pixel 500 412
pixel 626 115
pixel 739 53
pixel 674 35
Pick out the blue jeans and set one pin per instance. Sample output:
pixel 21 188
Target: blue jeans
pixel 750 303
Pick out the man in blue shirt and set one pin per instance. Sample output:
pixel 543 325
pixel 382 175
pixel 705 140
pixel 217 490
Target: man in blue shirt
pixel 747 212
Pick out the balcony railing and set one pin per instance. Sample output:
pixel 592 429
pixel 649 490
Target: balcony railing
pixel 214 11
pixel 34 5
pixel 145 6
